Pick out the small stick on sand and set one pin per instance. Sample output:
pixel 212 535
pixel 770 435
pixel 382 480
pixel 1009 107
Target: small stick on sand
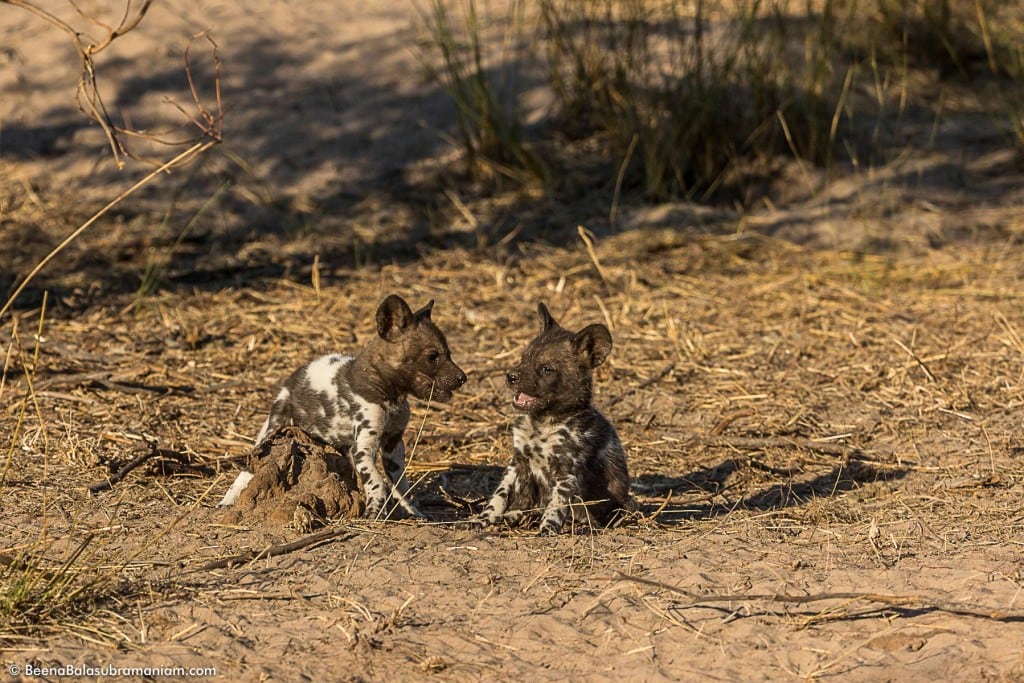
pixel 274 550
pixel 123 472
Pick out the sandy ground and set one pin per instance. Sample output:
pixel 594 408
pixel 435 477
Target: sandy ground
pixel 821 404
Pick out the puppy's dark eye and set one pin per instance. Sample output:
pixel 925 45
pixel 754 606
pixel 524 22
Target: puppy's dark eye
pixel 546 370
pixel 433 356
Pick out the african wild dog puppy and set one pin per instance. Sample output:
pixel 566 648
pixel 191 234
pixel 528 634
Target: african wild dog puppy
pixel 564 451
pixel 358 403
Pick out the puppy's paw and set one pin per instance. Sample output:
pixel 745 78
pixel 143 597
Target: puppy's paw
pixel 548 529
pixel 483 520
pixel 413 512
pixel 514 518
pixel 373 509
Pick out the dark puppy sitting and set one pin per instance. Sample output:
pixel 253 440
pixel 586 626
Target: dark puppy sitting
pixel 566 456
pixel 358 403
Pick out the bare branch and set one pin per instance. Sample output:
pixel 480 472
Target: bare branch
pixel 274 550
pixel 88 96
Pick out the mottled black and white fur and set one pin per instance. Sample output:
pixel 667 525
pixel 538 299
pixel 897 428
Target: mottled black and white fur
pixel 358 403
pixel 567 457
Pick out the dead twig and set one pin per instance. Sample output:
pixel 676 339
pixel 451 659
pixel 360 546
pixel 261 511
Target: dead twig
pixel 456 501
pixel 282 549
pixel 209 124
pixel 106 380
pixel 88 96
pixel 123 472
pixel 923 602
pixel 268 596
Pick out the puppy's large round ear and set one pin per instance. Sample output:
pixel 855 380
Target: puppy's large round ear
pixel 393 316
pixel 593 343
pixel 544 316
pixel 424 313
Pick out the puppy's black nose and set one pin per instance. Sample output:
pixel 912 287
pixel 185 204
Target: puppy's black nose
pixel 460 380
pixel 512 378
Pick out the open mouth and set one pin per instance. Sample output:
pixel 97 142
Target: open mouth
pixel 521 400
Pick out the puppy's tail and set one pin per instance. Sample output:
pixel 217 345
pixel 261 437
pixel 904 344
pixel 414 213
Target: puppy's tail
pixel 244 477
pixel 241 481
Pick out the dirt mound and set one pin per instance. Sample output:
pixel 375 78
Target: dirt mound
pixel 299 483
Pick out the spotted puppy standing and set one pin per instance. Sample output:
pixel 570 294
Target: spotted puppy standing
pixel 567 457
pixel 358 403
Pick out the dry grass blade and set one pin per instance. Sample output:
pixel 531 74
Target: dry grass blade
pixel 588 242
pixel 30 393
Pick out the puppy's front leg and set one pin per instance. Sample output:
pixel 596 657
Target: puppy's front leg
pixel 394 464
pixel 365 446
pixel 498 503
pixel 565 489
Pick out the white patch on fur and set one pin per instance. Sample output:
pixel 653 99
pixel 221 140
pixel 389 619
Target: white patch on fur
pixel 241 481
pixel 263 431
pixel 322 373
pixel 539 473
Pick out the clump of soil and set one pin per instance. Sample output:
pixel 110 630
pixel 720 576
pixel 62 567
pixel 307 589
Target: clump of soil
pixel 298 482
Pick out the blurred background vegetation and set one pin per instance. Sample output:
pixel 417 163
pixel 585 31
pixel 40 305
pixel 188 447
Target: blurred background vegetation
pixel 699 99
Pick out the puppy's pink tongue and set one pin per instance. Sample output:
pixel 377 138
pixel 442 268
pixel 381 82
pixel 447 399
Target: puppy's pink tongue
pixel 522 400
